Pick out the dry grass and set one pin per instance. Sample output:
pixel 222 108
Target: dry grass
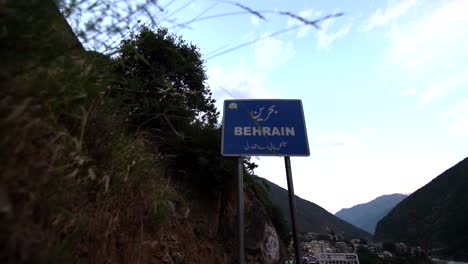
pixel 74 186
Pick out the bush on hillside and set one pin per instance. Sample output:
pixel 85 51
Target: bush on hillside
pixel 162 89
pixel 163 81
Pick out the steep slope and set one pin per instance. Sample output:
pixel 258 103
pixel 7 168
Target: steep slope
pixel 79 185
pixel 311 217
pixel 367 215
pixel 434 217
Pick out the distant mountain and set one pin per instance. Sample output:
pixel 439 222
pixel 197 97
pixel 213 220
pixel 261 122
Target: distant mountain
pixel 367 215
pixel 311 217
pixel 434 217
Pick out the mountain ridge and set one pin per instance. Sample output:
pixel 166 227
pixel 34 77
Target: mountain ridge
pixel 367 215
pixel 310 216
pixel 434 217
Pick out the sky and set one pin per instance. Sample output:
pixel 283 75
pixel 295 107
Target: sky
pixel 384 87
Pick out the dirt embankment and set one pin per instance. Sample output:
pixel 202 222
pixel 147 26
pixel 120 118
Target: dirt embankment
pixel 75 187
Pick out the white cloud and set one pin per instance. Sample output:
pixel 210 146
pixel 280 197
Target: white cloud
pixel 459 127
pixel 195 7
pixel 341 140
pixel 238 83
pixel 458 117
pixel 255 20
pixel 440 88
pixel 325 38
pixel 339 144
pixel 408 92
pixel 432 38
pixel 392 12
pixel 272 52
pixel 341 173
pixel 325 35
pixel 429 51
pixel 349 180
pixel 248 79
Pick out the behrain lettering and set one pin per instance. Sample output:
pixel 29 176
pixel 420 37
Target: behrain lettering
pixel 264 131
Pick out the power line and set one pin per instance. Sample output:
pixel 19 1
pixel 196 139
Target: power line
pixel 184 24
pixel 253 41
pixel 305 22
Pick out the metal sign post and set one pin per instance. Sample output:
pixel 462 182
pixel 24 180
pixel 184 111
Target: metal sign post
pixel 240 210
pixel 264 128
pixel 292 208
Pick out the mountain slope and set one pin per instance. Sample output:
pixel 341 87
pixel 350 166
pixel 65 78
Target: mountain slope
pixel 311 217
pixel 79 184
pixel 434 217
pixel 367 215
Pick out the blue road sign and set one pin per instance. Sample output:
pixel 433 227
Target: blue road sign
pixel 264 128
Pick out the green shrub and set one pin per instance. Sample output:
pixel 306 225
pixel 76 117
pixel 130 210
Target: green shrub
pixel 163 82
pixel 261 191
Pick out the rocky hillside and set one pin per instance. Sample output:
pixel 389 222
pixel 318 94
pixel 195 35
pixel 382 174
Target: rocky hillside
pixel 367 215
pixel 311 217
pixel 434 217
pixel 114 160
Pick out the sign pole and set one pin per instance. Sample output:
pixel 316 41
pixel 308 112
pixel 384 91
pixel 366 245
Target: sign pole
pixel 292 209
pixel 264 127
pixel 240 209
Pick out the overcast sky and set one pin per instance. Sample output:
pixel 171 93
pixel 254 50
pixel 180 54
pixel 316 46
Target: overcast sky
pixel 384 87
